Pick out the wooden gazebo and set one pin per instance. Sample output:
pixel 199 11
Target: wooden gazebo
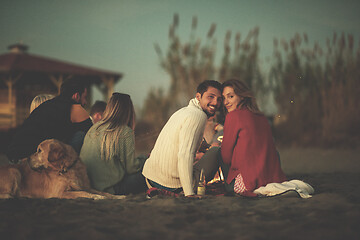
pixel 23 76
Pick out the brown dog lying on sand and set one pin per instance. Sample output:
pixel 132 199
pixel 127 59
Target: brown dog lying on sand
pixel 54 171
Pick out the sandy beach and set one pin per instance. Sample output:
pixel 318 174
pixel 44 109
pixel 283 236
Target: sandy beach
pixel 332 213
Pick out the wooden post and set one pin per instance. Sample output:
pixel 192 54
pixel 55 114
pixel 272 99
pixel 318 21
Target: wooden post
pixel 9 84
pixel 58 81
pixel 10 81
pixel 109 84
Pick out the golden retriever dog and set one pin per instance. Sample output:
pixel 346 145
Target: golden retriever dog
pixel 54 171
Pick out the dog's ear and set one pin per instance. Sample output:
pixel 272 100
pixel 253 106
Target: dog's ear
pixel 71 157
pixel 56 151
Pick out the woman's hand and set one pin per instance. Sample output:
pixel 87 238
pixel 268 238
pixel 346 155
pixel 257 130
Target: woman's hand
pixel 215 144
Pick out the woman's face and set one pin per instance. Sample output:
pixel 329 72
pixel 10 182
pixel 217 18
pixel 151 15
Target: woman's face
pixel 231 100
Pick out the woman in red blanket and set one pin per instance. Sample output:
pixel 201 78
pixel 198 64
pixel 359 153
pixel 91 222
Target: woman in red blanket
pixel 249 156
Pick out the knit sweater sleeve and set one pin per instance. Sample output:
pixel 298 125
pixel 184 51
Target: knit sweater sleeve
pixel 231 130
pixel 129 161
pixel 189 138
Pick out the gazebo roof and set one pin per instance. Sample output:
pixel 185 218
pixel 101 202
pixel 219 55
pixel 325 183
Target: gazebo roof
pixel 17 60
pixel 19 71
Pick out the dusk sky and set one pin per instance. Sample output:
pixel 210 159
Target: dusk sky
pixel 119 35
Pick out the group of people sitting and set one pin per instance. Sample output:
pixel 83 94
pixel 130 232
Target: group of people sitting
pixel 106 141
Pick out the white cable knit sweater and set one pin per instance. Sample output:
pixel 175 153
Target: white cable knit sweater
pixel 171 160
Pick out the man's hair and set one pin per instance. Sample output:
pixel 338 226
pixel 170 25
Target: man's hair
pixel 70 87
pixel 203 87
pixel 98 107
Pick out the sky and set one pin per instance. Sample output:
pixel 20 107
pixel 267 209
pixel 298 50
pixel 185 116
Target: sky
pixel 119 35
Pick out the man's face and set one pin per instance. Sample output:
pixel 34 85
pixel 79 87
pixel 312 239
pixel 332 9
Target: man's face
pixel 97 117
pixel 210 101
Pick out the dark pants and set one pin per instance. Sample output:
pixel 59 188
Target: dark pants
pixel 133 183
pixel 209 163
pixel 77 141
pixel 225 170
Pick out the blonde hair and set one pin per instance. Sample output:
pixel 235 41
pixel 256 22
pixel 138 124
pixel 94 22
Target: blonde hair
pixel 118 113
pixel 243 91
pixel 39 99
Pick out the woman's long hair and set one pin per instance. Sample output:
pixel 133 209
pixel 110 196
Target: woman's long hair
pixel 243 91
pixel 118 113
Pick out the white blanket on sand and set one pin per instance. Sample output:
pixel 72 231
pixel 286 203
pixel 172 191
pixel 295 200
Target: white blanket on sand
pixel 302 188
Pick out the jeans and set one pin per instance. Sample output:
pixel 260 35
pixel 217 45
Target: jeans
pixel 159 186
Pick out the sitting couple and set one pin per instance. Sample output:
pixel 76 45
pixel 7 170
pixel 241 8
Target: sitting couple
pixel 248 157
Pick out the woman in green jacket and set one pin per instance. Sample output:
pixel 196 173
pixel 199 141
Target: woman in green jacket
pixel 109 150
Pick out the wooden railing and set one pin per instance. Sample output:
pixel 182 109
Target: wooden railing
pixel 7 116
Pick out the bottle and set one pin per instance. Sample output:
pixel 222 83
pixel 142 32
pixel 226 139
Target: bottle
pixel 202 184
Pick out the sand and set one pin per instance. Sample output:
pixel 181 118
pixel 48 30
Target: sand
pixel 332 213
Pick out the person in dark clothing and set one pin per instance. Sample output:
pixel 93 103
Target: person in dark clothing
pixel 97 110
pixel 62 118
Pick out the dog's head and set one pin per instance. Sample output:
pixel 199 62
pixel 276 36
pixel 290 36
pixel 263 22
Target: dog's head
pixel 53 154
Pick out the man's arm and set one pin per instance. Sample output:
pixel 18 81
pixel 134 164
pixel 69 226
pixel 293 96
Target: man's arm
pixel 190 136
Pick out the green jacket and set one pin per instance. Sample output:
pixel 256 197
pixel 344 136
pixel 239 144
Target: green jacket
pixel 104 175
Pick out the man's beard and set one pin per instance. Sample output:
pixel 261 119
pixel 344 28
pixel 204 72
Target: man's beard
pixel 80 102
pixel 209 114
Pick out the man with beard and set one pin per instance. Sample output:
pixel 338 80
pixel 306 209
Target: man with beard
pixel 171 162
pixel 62 118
